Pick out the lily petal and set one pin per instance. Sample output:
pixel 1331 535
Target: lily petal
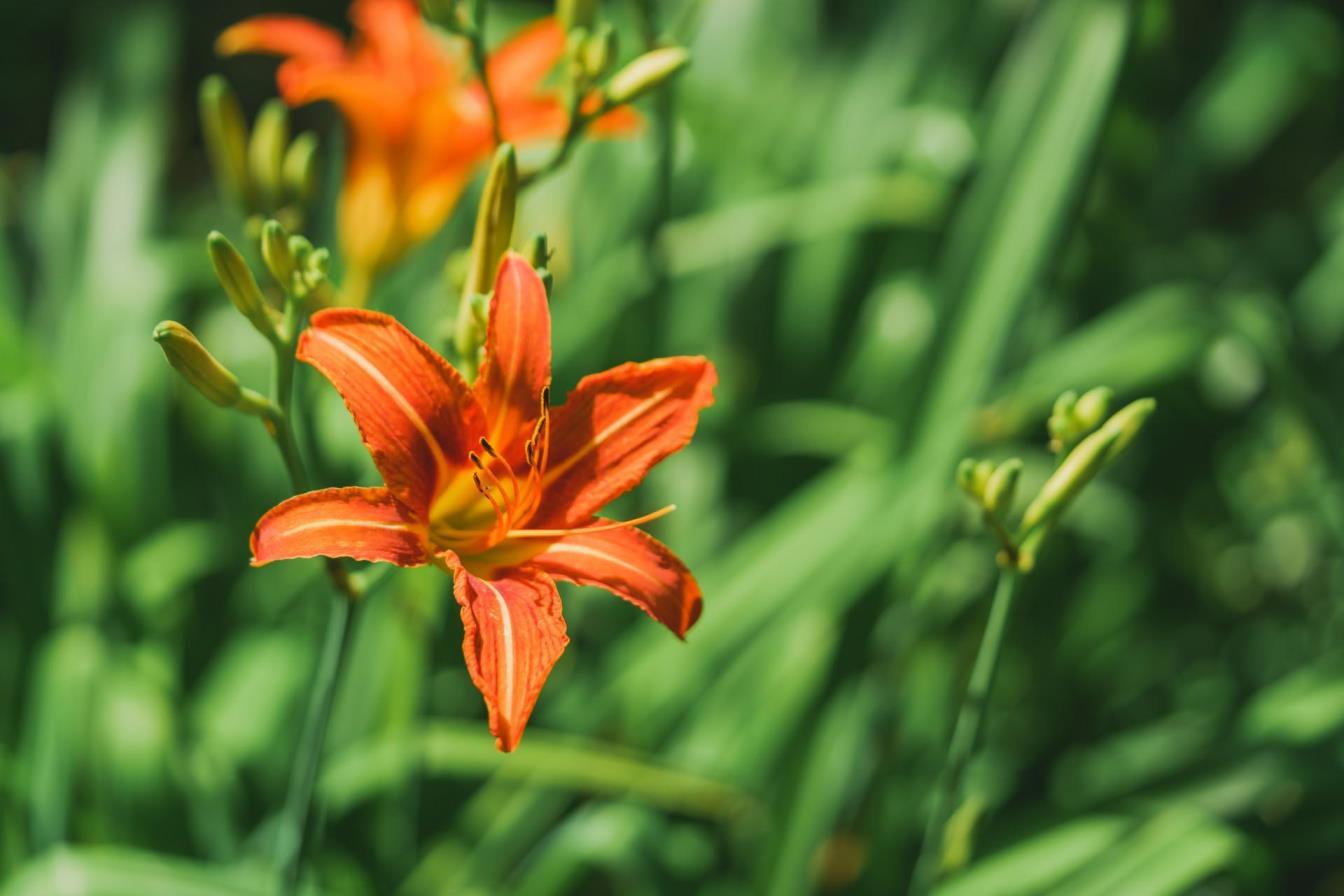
pixel 517 353
pixel 514 633
pixel 614 427
pixel 293 36
pixel 630 564
pixel 363 100
pixel 361 523
pixel 518 66
pixel 415 413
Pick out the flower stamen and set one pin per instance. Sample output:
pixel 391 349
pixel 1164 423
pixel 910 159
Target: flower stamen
pixel 606 527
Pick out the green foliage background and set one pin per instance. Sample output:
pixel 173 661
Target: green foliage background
pixel 900 229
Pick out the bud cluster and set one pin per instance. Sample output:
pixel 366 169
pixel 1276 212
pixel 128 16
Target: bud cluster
pixel 1084 441
pixel 260 170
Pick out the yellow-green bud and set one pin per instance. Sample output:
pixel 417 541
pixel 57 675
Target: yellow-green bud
pixel 196 365
pixel 644 73
pixel 494 220
pixel 239 284
pixel 966 477
pixel 1002 485
pixel 225 133
pixel 598 51
pixel 1126 423
pixel 300 167
pixel 539 256
pixel 575 13
pixel 490 240
pixel 275 252
pixel 1085 461
pixel 1091 408
pixel 266 152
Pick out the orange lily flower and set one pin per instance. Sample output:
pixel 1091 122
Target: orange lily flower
pixel 493 486
pixel 419 126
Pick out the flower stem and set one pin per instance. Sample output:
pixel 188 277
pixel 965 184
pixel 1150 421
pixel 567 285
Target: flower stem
pixel 478 59
pixel 293 834
pixel 966 734
pixel 298 803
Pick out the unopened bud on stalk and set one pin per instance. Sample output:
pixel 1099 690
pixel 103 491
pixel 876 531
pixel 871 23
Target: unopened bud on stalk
pixel 598 51
pixel 1085 461
pixel 490 240
pixel 575 13
pixel 239 284
pixel 266 151
pixel 299 168
pixel 196 365
pixel 645 73
pixel 225 133
pixel 539 256
pixel 1001 486
pixel 494 219
pixel 1091 408
pixel 1126 424
pixel 276 253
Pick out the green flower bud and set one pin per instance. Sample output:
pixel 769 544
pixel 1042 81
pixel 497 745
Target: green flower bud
pixel 196 365
pixel 299 168
pixel 539 256
pixel 1091 408
pixel 1126 424
pixel 1002 485
pixel 276 253
pixel 966 477
pixel 575 13
pixel 225 133
pixel 645 73
pixel 598 51
pixel 266 152
pixel 1085 461
pixel 239 284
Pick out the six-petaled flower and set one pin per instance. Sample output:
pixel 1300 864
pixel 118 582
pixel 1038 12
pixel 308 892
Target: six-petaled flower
pixel 493 485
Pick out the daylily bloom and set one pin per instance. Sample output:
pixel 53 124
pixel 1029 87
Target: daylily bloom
pixel 495 487
pixel 419 126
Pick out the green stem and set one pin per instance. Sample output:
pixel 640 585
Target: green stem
pixel 478 59
pixel 966 734
pixel 293 834
pixel 578 123
pixel 298 803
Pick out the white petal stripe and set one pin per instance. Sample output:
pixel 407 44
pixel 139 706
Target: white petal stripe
pixel 385 384
pixel 620 422
pixel 585 550
pixel 329 523
pixel 506 698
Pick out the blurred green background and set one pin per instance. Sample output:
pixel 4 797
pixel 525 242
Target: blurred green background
pixel 900 229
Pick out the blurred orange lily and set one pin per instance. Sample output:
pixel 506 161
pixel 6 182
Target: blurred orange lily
pixel 419 126
pixel 491 485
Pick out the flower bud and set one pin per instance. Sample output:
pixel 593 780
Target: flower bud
pixel 241 287
pixel 539 256
pixel 299 168
pixel 1002 485
pixel 1085 461
pixel 645 73
pixel 1126 424
pixel 225 133
pixel 266 152
pixel 1091 407
pixel 275 252
pixel 966 477
pixel 598 51
pixel 494 220
pixel 196 365
pixel 575 13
